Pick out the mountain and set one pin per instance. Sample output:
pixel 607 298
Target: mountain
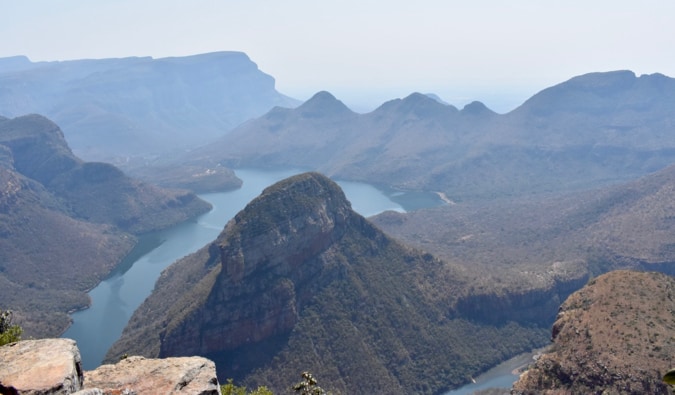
pixel 629 225
pixel 613 336
pixel 298 281
pixel 66 223
pixel 114 108
pixel 598 128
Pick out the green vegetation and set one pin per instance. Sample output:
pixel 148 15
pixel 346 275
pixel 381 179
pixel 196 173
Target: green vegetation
pixel 231 389
pixel 8 333
pixel 613 334
pixel 308 385
pixel 669 378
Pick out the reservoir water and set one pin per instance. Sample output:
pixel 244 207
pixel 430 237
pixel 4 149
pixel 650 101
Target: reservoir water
pixel 115 299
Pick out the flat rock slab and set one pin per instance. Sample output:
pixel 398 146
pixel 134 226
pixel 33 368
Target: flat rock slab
pixel 139 375
pixel 41 367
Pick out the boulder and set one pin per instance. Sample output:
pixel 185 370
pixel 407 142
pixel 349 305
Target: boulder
pixel 37 367
pixel 139 375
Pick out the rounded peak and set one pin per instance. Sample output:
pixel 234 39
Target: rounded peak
pixel 299 215
pixel 323 95
pixel 476 108
pixel 321 104
pixel 295 196
pixel 32 125
pixel 416 103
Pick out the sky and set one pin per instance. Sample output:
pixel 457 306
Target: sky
pixel 365 52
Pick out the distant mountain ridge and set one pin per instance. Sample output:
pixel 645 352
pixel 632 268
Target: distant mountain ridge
pixel 595 128
pixel 112 108
pixel 65 223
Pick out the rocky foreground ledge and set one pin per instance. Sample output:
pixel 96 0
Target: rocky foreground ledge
pixel 54 366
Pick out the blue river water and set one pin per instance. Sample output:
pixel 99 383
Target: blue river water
pixel 114 300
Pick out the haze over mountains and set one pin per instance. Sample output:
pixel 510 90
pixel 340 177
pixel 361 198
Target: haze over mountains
pixel 577 181
pixel 111 108
pixel 593 129
pixel 66 223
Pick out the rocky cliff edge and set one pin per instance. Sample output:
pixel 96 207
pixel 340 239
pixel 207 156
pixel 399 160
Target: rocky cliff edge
pixel 54 366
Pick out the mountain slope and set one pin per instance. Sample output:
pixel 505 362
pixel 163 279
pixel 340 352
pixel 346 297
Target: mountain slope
pixel 596 128
pixel 64 222
pixel 626 225
pixel 612 336
pixel 298 281
pixel 139 106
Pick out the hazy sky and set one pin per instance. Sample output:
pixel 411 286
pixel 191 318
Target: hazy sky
pixel 365 51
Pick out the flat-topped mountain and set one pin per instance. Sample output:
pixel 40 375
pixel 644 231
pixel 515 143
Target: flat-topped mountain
pixel 298 281
pixel 66 223
pixel 613 336
pixel 594 129
pixel 112 108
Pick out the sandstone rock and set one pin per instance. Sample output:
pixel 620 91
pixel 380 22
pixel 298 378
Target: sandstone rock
pixel 139 375
pixel 613 336
pixel 36 367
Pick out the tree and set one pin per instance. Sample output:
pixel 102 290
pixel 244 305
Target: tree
pixel 231 389
pixel 308 386
pixel 8 333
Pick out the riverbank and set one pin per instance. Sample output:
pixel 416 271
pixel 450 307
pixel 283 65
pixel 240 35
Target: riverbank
pixel 502 375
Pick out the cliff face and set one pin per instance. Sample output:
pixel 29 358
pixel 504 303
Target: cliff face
pixel 139 106
pixel 613 336
pixel 264 252
pixel 298 281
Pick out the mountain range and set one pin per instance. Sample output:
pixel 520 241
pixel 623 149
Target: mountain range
pixel 66 223
pixel 594 129
pixel 111 109
pixel 572 184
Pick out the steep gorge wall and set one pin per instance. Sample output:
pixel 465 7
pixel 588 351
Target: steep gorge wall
pixel 534 305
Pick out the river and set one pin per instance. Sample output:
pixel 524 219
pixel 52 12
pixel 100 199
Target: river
pixel 501 376
pixel 114 300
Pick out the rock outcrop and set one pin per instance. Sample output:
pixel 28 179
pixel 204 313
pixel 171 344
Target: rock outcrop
pixel 53 367
pixel 614 336
pixel 37 367
pixel 186 375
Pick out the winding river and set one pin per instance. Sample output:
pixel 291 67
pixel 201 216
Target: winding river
pixel 114 300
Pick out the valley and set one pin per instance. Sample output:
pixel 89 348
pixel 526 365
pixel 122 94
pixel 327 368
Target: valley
pixel 448 245
pixel 115 299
